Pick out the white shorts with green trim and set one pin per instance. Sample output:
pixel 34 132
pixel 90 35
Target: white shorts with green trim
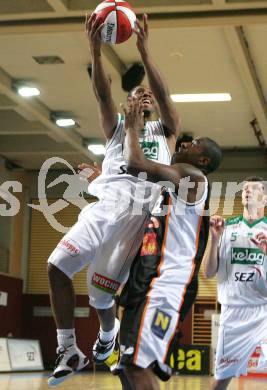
pixel 241 330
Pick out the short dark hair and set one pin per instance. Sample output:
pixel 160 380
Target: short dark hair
pixel 183 137
pixel 256 179
pixel 214 153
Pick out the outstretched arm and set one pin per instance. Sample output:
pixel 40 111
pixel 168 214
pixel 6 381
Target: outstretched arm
pixel 158 85
pixel 137 162
pixel 101 83
pixel 211 257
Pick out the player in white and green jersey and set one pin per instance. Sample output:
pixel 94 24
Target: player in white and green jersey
pixel 242 269
pixel 109 232
pixel 238 254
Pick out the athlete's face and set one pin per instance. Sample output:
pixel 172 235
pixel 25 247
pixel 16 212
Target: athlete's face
pixel 189 152
pixel 253 194
pixel 145 97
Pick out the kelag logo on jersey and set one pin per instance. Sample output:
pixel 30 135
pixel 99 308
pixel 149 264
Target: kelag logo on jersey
pixel 150 149
pixel 247 256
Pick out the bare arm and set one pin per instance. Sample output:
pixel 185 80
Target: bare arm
pixel 158 85
pixel 101 83
pixel 211 257
pixel 137 162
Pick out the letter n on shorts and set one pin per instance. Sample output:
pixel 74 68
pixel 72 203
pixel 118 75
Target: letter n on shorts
pixel 160 324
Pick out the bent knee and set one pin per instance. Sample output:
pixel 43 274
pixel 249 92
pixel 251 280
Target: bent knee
pixel 101 300
pixel 101 295
pixel 56 276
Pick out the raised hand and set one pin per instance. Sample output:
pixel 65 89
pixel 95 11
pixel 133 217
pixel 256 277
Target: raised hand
pixel 134 117
pixel 142 35
pixel 93 27
pixel 216 226
pixel 260 240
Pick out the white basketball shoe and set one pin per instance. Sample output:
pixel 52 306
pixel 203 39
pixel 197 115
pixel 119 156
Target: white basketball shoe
pixel 69 360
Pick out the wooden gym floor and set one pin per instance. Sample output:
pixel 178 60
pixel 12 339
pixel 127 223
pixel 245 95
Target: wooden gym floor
pixel 105 381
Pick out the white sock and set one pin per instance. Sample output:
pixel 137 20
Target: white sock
pixel 106 336
pixel 66 337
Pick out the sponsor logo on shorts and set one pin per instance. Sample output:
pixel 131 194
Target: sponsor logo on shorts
pixel 160 323
pixel 247 256
pixel 226 361
pixel 69 246
pixel 150 246
pixel 104 283
pixel 150 149
pixel 257 352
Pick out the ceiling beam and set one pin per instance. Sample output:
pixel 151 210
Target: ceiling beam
pixel 216 17
pixel 24 132
pixel 246 69
pixel 219 3
pixel 208 18
pixel 114 60
pixel 38 153
pixel 41 113
pixel 57 5
pixel 149 7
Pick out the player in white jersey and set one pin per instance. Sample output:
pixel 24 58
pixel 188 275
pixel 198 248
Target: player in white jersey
pixel 108 233
pixel 163 278
pixel 238 255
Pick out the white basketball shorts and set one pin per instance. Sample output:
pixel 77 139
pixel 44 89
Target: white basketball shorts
pixel 242 328
pixel 106 240
pixel 79 246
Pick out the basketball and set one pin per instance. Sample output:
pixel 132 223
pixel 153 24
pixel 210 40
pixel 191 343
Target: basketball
pixel 118 18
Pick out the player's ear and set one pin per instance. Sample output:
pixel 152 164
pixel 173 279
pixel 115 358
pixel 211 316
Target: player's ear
pixel 204 161
pixel 130 99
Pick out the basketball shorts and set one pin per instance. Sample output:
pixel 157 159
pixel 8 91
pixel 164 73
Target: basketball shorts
pixel 154 303
pixel 111 266
pixel 105 241
pixel 79 246
pixel 147 332
pixel 242 329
